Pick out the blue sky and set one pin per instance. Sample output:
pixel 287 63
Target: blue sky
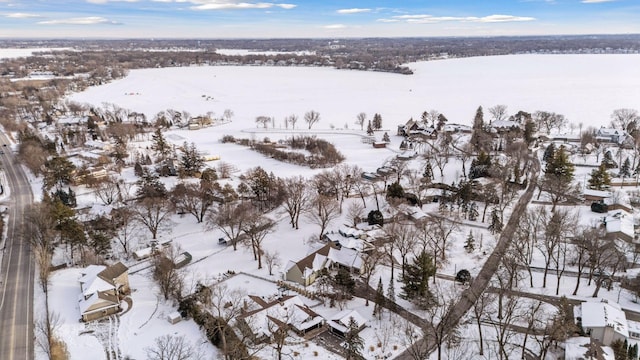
pixel 313 18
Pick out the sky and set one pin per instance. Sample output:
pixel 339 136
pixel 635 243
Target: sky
pixel 313 18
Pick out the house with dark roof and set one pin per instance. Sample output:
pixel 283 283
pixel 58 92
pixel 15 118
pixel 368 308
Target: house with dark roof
pixel 101 289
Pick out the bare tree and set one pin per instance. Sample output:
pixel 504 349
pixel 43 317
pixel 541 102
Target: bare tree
pixel 46 339
pixel 361 118
pixel 439 229
pixel 625 119
pixel 297 198
pixel 257 227
pixel 170 347
pixel 39 229
pixel 480 306
pixel 263 120
pixel 441 324
pixel 272 259
pixel 499 112
pixel 370 261
pixel 355 212
pixel 292 119
pixel 549 120
pixel 195 199
pixel 225 305
pixel 323 211
pixel 311 117
pixel 107 190
pixel 230 218
pixel 154 213
pixel 169 278
pixel 224 170
pixel 125 226
pixel 228 114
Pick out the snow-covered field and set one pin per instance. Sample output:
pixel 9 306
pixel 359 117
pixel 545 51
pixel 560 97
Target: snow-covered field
pixel 7 53
pixel 584 88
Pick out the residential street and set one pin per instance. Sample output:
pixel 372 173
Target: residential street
pixel 481 281
pixel 17 268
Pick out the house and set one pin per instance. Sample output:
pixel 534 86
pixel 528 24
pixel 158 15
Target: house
pixel 306 270
pixel 619 224
pixel 610 135
pixel 267 317
pixel 339 323
pixel 101 288
pixel 501 126
pixel 595 195
pixel 604 321
pixel 457 128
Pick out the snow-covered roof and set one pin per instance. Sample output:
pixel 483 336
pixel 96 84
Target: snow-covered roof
pixel 290 310
pixel 619 221
pixel 597 193
pixel 91 283
pixel 346 256
pixel 604 314
pixel 504 124
pixel 350 232
pixel 107 301
pixel 340 321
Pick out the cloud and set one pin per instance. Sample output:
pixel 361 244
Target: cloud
pixel 430 19
pixel 595 1
pixel 108 1
pixel 89 20
pixel 22 16
pixel 334 26
pixel 225 4
pixel 353 11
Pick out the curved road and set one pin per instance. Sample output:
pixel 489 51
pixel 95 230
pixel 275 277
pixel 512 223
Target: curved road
pixel 17 268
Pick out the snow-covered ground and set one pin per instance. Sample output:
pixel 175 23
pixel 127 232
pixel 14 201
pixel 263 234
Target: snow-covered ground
pixel 584 88
pixel 243 52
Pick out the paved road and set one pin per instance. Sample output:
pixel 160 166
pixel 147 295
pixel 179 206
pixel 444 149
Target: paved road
pixel 17 268
pixel 481 282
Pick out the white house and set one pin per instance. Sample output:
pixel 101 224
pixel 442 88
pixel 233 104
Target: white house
pixel 339 323
pixel 620 225
pixel 604 321
pixel 611 135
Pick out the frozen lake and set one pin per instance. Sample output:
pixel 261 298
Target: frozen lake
pixel 584 88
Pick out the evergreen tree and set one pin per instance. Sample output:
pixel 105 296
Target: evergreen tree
pixel 191 161
pixel 496 223
pixel 473 211
pixel 478 135
pixel 391 294
pixel 416 280
pixel 625 169
pixel 608 160
pixel 159 144
pixel 380 300
pixel 395 190
pixel 150 185
pixel 369 129
pixel 558 175
pixel 385 138
pixel 480 166
pixel 548 152
pixel 469 245
pixel 428 172
pixel 377 121
pixel 353 343
pixel 375 217
pixel 442 120
pixel 600 178
pixel 529 132
pixel 619 350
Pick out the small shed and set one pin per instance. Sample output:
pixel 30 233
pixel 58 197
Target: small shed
pixel 174 317
pixel 379 144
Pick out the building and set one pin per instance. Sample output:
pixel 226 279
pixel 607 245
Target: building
pixel 604 321
pixel 620 225
pixel 306 270
pixel 288 312
pixel 101 289
pixel 339 323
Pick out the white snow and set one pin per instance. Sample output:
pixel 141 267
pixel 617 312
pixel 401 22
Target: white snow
pixel 10 53
pixel 584 88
